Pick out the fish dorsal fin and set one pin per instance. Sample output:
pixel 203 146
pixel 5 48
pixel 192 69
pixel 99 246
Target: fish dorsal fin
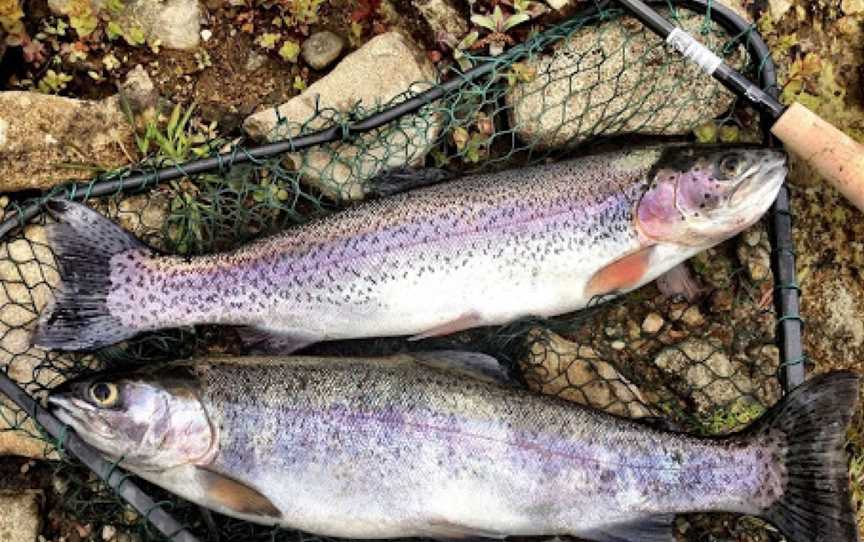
pixel 235 495
pixel 473 364
pixel 623 274
pixel 657 528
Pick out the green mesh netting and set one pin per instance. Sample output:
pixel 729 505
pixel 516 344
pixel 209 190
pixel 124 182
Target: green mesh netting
pixel 707 366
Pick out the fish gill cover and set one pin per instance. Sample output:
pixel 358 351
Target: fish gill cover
pixel 708 364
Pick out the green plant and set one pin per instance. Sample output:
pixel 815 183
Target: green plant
pixel 174 142
pixel 11 19
pixel 302 12
pixel 289 51
pixel 53 82
pixel 498 24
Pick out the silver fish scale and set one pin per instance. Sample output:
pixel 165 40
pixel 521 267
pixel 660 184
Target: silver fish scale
pixel 386 448
pixel 408 263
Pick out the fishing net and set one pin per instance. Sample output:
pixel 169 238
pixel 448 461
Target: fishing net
pixel 707 365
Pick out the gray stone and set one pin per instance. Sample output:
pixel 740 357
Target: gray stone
pixel 138 90
pixel 386 67
pixel 443 17
pixel 702 370
pixel 175 24
pixel 20 518
pixel 616 78
pixel 40 133
pixel 575 372
pixel 321 48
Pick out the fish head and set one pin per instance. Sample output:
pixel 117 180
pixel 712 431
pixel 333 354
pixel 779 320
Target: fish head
pixel 701 195
pixel 148 423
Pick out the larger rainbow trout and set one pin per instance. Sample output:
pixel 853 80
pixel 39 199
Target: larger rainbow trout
pixel 406 446
pixel 478 251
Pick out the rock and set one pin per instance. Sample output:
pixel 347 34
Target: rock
pixel 139 91
pixel 387 66
pixel 704 372
pixel 692 317
pixel 653 323
pixel 756 259
pixel 852 7
pixel 39 133
pixel 597 83
pixel 574 372
pixel 175 24
pixel 109 532
pixel 443 17
pixel 21 518
pixel 779 8
pixel 321 48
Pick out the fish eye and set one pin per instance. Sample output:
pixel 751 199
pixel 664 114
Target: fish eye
pixel 729 165
pixel 104 394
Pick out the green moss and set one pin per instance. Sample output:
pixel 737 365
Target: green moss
pixel 738 415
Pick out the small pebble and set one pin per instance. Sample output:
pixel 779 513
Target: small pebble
pixel 652 323
pixel 693 317
pixel 206 34
pixel 619 345
pixel 109 532
pixel 321 49
pixel 752 237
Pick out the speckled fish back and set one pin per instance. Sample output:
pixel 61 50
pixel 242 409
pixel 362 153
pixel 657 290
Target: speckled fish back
pixel 372 448
pixel 491 247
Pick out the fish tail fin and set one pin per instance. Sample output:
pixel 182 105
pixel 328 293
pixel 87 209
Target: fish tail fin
pixel 83 242
pixel 810 424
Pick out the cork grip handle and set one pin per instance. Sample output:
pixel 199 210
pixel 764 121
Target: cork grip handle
pixel 836 156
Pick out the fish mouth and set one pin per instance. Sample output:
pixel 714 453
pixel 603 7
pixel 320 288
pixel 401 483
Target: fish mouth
pixel 761 182
pixel 66 410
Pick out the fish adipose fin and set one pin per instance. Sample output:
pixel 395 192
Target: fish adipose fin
pixel 83 242
pixel 658 528
pixel 474 364
pixel 234 495
pixel 811 422
pixel 466 321
pixel 622 274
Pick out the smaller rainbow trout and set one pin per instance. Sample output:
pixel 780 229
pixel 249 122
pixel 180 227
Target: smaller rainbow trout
pixel 483 250
pixel 412 446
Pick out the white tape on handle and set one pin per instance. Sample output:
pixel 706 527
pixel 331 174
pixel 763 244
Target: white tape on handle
pixel 688 46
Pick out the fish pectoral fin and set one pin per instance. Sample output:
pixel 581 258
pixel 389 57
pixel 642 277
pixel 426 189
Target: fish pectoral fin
pixel 474 364
pixel 262 341
pixel 656 528
pixel 622 274
pixel 235 495
pixel 466 321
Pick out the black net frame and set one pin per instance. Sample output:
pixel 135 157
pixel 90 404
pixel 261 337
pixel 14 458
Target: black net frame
pixel 786 292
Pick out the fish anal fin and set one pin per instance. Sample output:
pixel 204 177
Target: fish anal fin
pixel 235 495
pixel 448 530
pixel 622 274
pixel 656 528
pixel 262 341
pixel 466 321
pixel 474 364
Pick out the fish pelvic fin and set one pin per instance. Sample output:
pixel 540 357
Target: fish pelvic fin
pixel 654 528
pixel 816 504
pixel 83 242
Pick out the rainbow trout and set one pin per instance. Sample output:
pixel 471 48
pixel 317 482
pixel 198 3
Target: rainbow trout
pixel 484 250
pixel 408 446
